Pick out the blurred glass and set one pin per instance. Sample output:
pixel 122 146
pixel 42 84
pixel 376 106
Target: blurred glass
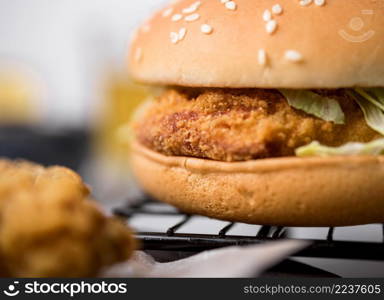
pixel 65 93
pixel 109 170
pixel 20 95
pixel 25 133
pixel 121 99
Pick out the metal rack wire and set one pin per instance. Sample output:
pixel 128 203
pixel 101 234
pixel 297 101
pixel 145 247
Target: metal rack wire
pixel 171 240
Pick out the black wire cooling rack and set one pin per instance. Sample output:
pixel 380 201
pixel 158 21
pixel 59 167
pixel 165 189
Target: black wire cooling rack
pixel 171 240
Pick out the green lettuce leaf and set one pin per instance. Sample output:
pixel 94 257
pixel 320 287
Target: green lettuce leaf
pixel 373 113
pixel 324 108
pixel 373 96
pixel 378 92
pixel 316 149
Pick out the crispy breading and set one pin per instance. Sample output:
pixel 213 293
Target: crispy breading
pixel 49 227
pixel 242 124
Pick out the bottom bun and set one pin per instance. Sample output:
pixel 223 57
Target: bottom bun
pixel 291 191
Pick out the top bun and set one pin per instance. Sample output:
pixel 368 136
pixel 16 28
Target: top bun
pixel 262 44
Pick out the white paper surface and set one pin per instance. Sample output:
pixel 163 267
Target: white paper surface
pixel 229 262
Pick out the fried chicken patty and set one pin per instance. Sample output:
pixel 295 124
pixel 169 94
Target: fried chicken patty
pixel 50 228
pixel 241 124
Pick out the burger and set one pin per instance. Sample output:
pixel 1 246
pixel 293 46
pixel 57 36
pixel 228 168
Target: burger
pixel 263 112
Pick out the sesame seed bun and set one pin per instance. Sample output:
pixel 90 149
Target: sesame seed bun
pixel 287 191
pixel 215 44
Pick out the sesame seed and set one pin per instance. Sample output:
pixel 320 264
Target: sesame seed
pixel 267 16
pixel 305 2
pixel 277 9
pixel 189 10
pixel 207 29
pixel 231 5
pixel 320 2
pixel 177 17
pixel 182 33
pixel 138 54
pixel 192 17
pixel 192 8
pixel 224 1
pixel 167 12
pixel 293 55
pixel 271 26
pixel 367 12
pixel 174 37
pixel 262 57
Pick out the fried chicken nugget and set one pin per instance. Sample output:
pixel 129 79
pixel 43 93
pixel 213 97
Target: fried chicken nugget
pixel 50 228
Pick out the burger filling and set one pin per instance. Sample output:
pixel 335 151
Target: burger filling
pixel 245 124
